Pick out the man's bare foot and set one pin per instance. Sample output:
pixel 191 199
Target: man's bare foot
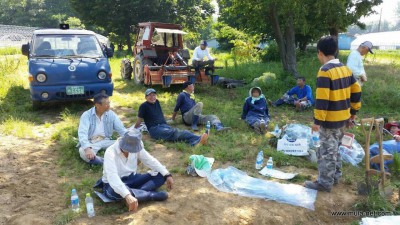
pixel 203 139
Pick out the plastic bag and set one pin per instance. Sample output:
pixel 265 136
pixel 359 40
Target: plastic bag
pixel 295 131
pixel 235 181
pixel 354 155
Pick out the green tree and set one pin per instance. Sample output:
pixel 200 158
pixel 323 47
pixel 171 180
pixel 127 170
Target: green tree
pixel 117 16
pixel 294 22
pixel 36 13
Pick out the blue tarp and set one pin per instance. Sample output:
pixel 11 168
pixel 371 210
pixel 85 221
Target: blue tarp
pixel 232 180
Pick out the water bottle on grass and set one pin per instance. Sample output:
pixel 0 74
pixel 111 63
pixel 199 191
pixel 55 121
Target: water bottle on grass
pixel 315 138
pixel 74 201
pixel 89 205
pixel 259 160
pixel 208 127
pixel 270 163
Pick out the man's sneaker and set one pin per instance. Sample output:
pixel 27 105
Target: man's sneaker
pixel 316 186
pixel 203 139
pixel 220 128
pixel 263 127
pixel 336 181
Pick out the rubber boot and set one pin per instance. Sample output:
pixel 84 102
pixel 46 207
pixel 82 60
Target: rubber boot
pixel 96 161
pixel 220 127
pixel 195 120
pixel 144 196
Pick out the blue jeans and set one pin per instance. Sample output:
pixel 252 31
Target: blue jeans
pixel 144 182
pixel 166 132
pixel 253 119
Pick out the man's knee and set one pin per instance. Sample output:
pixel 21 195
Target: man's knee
pixel 198 108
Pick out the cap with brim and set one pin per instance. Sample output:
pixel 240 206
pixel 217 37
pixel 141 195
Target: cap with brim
pixel 186 84
pixel 203 42
pixel 149 91
pixel 368 44
pixel 131 142
pixel 390 125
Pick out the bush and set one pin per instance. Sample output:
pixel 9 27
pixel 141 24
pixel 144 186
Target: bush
pixel 10 51
pixel 270 53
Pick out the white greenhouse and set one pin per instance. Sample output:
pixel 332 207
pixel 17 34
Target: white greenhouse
pixel 382 40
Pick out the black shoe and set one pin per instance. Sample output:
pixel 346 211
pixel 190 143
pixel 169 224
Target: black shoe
pixel 316 186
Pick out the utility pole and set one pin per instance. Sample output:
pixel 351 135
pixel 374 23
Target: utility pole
pixel 380 18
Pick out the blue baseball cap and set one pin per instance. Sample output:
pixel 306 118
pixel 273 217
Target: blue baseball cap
pixel 203 42
pixel 149 91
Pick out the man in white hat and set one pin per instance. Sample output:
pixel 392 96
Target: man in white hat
pixel 120 178
pixel 199 53
pixel 355 61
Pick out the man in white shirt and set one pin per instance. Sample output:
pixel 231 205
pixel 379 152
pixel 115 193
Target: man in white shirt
pixel 200 52
pixel 355 61
pixel 96 127
pixel 120 177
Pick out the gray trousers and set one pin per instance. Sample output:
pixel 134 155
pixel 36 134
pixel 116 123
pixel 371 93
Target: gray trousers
pixel 329 159
pixel 196 110
pixel 103 144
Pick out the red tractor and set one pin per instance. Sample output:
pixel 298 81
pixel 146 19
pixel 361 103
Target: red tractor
pixel 161 60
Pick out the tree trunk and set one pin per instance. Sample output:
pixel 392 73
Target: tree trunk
pixel 128 42
pixel 334 31
pixel 286 42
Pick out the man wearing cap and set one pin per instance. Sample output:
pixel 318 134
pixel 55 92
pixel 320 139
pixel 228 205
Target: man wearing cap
pixel 198 57
pixel 120 178
pixel 96 127
pixel 394 129
pixel 151 113
pixel 191 111
pixel 355 61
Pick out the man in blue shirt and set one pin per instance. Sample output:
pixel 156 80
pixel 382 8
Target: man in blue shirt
pixel 191 111
pixel 303 100
pixel 151 113
pixel 96 127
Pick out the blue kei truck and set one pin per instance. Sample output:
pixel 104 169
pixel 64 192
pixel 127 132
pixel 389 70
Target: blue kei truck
pixel 66 64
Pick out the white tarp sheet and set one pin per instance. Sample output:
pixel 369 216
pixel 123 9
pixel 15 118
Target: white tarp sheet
pixel 170 31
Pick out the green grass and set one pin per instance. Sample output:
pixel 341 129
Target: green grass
pixel 237 148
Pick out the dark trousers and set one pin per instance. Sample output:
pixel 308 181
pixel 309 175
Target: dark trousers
pixel 200 64
pixel 145 182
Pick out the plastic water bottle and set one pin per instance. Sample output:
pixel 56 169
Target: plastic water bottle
pixel 208 126
pixel 89 205
pixel 270 163
pixel 74 201
pixel 259 160
pixel 276 130
pixel 315 138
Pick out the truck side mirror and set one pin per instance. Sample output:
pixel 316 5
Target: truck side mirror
pixel 109 52
pixel 25 49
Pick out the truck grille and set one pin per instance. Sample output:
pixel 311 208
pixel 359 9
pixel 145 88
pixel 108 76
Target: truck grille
pixel 63 95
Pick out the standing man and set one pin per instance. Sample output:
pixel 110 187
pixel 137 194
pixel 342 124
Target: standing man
pixel 303 100
pixel 191 111
pixel 355 61
pixel 338 99
pixel 198 58
pixel 96 127
pixel 151 113
pixel 121 179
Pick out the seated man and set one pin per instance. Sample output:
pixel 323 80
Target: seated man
pixel 120 178
pixel 304 95
pixel 96 127
pixel 198 58
pixel 191 111
pixel 394 129
pixel 150 111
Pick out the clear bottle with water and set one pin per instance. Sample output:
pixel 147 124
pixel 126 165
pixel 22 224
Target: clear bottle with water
pixel 315 139
pixel 208 127
pixel 259 160
pixel 89 205
pixel 74 201
pixel 270 163
pixel 276 130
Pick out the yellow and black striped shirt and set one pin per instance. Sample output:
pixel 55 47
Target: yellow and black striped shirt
pixel 338 95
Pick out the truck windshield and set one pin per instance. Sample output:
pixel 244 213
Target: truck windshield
pixel 55 45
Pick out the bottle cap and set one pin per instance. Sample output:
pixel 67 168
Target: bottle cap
pixel 73 190
pixel 87 194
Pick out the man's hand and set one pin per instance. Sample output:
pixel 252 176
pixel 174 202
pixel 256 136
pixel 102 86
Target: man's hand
pixel 315 127
pixel 350 122
pixel 131 202
pixel 170 183
pixel 89 153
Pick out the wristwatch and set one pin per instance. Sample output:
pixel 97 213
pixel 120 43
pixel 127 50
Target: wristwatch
pixel 168 175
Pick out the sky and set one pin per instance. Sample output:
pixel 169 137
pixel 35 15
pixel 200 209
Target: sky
pixel 388 8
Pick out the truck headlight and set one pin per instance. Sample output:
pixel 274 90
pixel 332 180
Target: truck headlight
pixel 102 75
pixel 41 77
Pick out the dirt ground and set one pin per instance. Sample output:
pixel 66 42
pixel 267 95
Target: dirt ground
pixel 30 193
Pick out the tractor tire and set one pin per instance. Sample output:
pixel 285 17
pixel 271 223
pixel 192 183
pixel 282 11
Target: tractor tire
pixel 126 69
pixel 138 69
